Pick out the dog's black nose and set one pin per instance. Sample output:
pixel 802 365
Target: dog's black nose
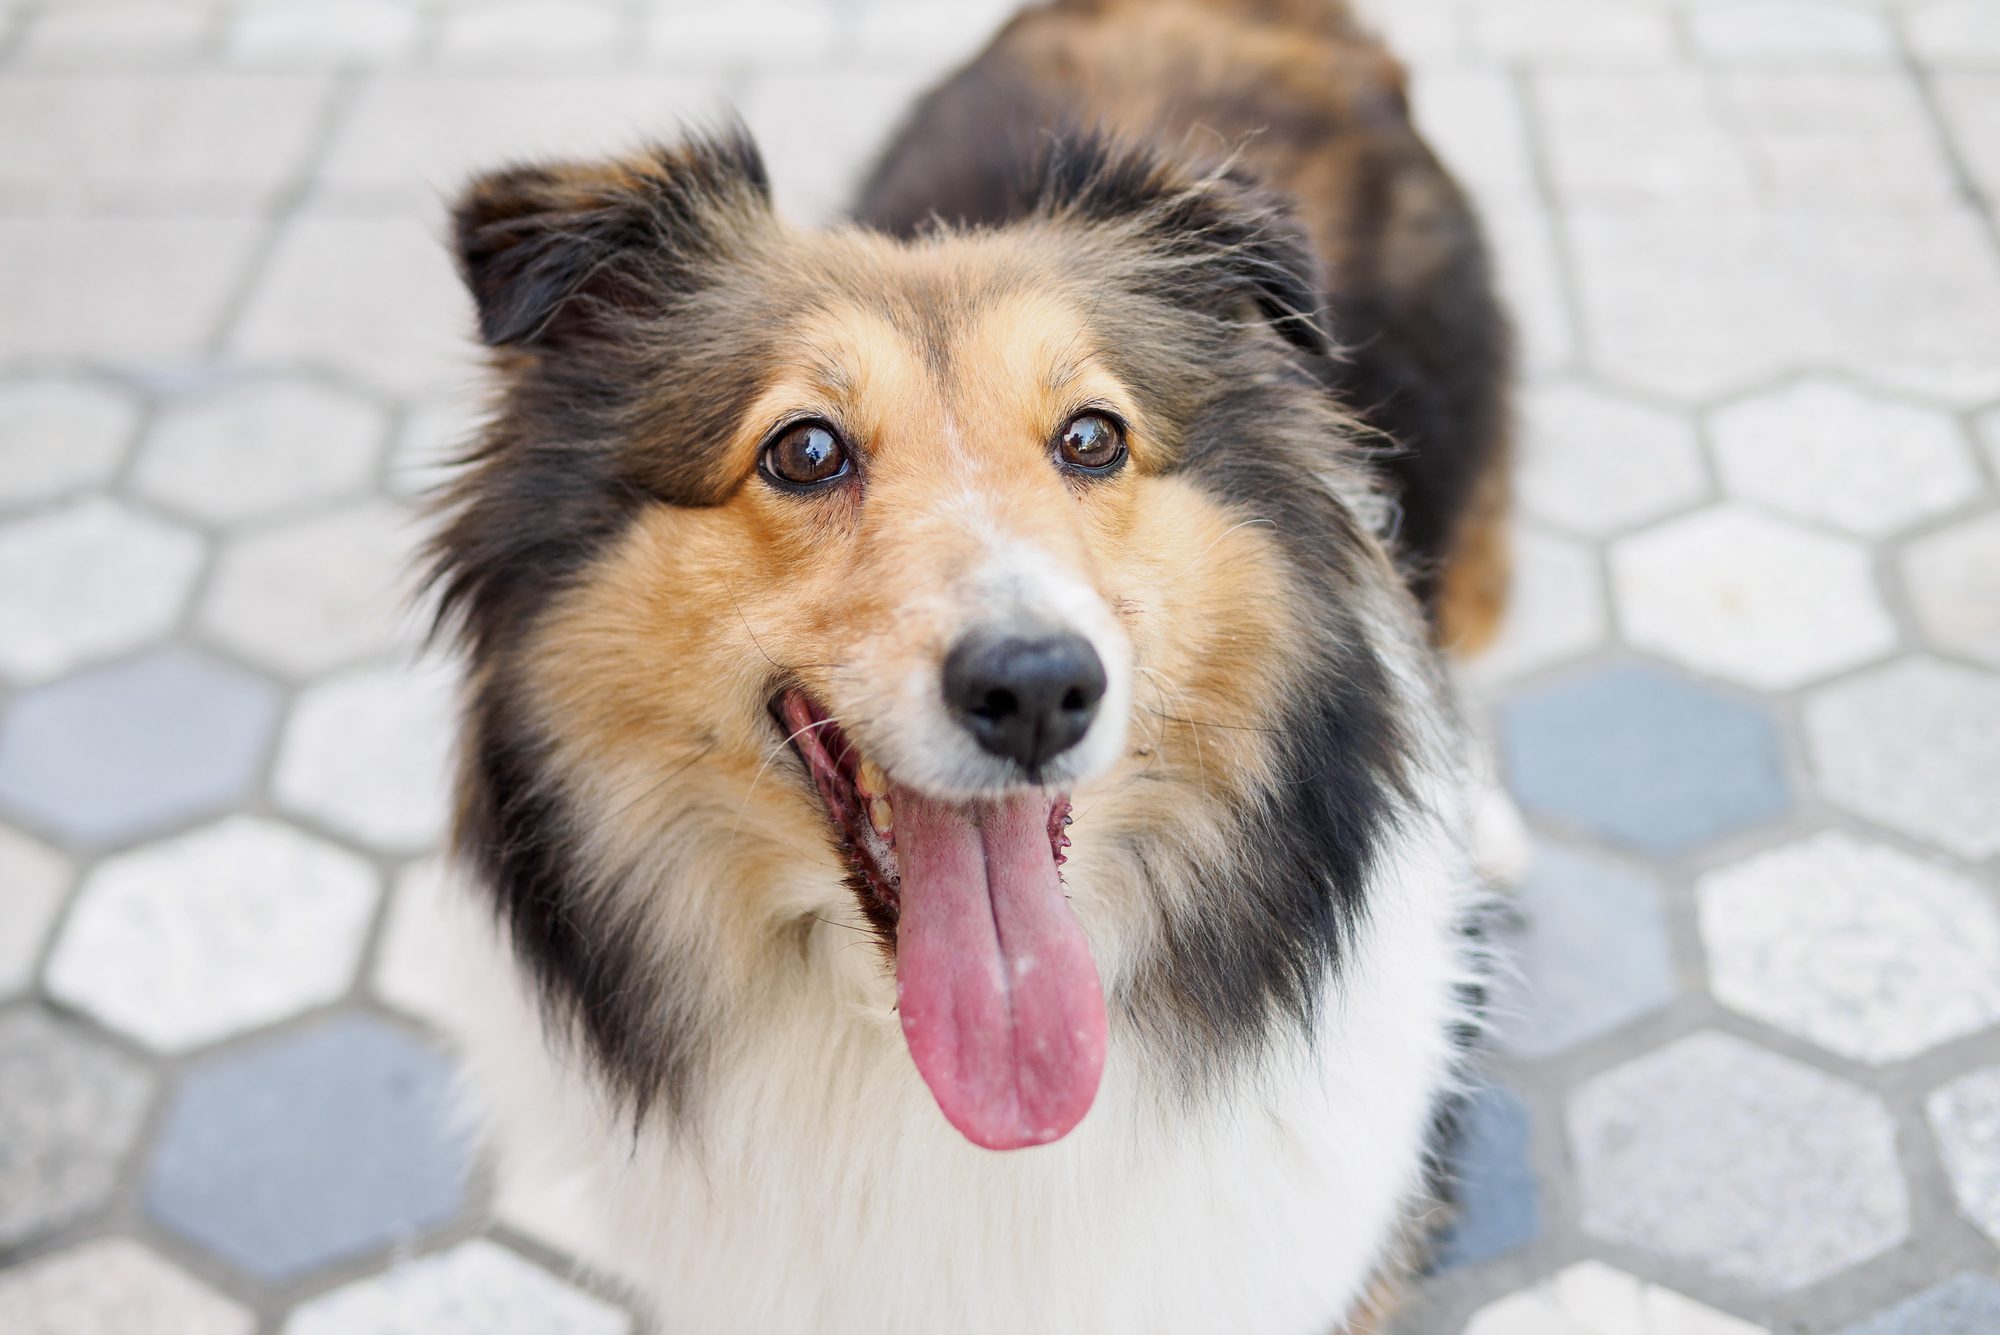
pixel 1026 697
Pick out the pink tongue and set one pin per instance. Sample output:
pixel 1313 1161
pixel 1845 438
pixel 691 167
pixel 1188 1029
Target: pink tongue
pixel 998 993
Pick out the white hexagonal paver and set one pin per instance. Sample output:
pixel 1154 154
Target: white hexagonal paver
pixel 1965 1114
pixel 236 925
pixel 432 439
pixel 1597 462
pixel 1953 578
pixel 1751 598
pixel 419 932
pixel 1915 746
pixel 1555 608
pixel 32 881
pixel 310 596
pixel 476 1288
pixel 87 581
pixel 257 448
pixel 1826 451
pixel 368 753
pixel 58 435
pixel 1865 950
pixel 1714 1152
pixel 1590 1298
pixel 113 1286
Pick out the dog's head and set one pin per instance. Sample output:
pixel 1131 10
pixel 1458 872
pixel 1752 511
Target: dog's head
pixel 816 582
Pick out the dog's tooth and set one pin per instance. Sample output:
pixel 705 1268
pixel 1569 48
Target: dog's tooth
pixel 881 815
pixel 873 780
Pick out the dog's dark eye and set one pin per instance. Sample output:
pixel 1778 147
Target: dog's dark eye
pixel 1092 443
pixel 809 454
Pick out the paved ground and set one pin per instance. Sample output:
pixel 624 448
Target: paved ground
pixel 1750 701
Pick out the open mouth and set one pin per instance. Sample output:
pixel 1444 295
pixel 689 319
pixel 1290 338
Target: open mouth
pixel 996 989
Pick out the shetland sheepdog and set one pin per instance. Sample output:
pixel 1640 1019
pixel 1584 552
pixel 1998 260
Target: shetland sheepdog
pixel 959 821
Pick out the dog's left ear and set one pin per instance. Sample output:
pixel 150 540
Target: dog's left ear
pixel 556 252
pixel 1218 240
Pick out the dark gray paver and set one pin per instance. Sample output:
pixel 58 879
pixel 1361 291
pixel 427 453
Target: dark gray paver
pixel 1498 1203
pixel 136 747
pixel 311 1148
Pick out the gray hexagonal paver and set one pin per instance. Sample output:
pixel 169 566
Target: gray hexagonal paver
pixel 1853 945
pixel 368 754
pixel 1965 1114
pixel 1825 451
pixel 255 449
pixel 59 435
pixel 1590 1298
pixel 1555 609
pixel 236 925
pixel 135 747
pixel 32 881
pixel 72 1110
pixel 310 596
pixel 113 1287
pixel 1496 1201
pixel 1750 598
pixel 309 1148
pixel 1595 462
pixel 1916 746
pixel 1962 1305
pixel 476 1288
pixel 1643 756
pixel 1954 581
pixel 86 581
pixel 1591 952
pixel 1714 1152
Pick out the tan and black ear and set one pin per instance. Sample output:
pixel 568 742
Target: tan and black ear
pixel 557 250
pixel 1215 239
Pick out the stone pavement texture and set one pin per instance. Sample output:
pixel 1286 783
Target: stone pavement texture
pixel 1746 1075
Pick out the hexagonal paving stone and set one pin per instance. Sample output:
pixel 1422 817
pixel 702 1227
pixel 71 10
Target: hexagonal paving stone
pixel 135 747
pixel 32 881
pixel 58 435
pixel 314 595
pixel 87 581
pixel 1646 757
pixel 418 933
pixel 113 1287
pixel 237 925
pixel 1750 598
pixel 1916 746
pixel 1555 608
pixel 1717 1153
pixel 1590 1298
pixel 1591 950
pixel 1496 1202
pixel 1965 1114
pixel 254 449
pixel 1826 451
pixel 310 1148
pixel 476 1288
pixel 1962 1305
pixel 72 1109
pixel 368 753
pixel 1597 463
pixel 1853 945
pixel 1954 583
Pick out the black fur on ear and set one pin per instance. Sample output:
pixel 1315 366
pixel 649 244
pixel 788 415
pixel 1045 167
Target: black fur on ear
pixel 551 250
pixel 1216 240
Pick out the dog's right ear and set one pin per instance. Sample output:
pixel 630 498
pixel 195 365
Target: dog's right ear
pixel 557 251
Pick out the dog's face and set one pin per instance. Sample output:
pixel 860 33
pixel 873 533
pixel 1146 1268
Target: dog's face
pixel 822 579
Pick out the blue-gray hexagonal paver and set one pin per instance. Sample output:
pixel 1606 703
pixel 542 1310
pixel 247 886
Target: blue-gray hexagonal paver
pixel 134 748
pixel 307 1149
pixel 1962 1305
pixel 1497 1202
pixel 1645 757
pixel 1590 948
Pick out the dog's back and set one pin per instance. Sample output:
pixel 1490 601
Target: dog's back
pixel 1306 102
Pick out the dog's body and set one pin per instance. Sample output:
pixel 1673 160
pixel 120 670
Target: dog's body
pixel 740 473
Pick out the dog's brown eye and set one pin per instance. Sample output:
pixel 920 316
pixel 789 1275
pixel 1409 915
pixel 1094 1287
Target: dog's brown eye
pixel 1092 443
pixel 806 455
